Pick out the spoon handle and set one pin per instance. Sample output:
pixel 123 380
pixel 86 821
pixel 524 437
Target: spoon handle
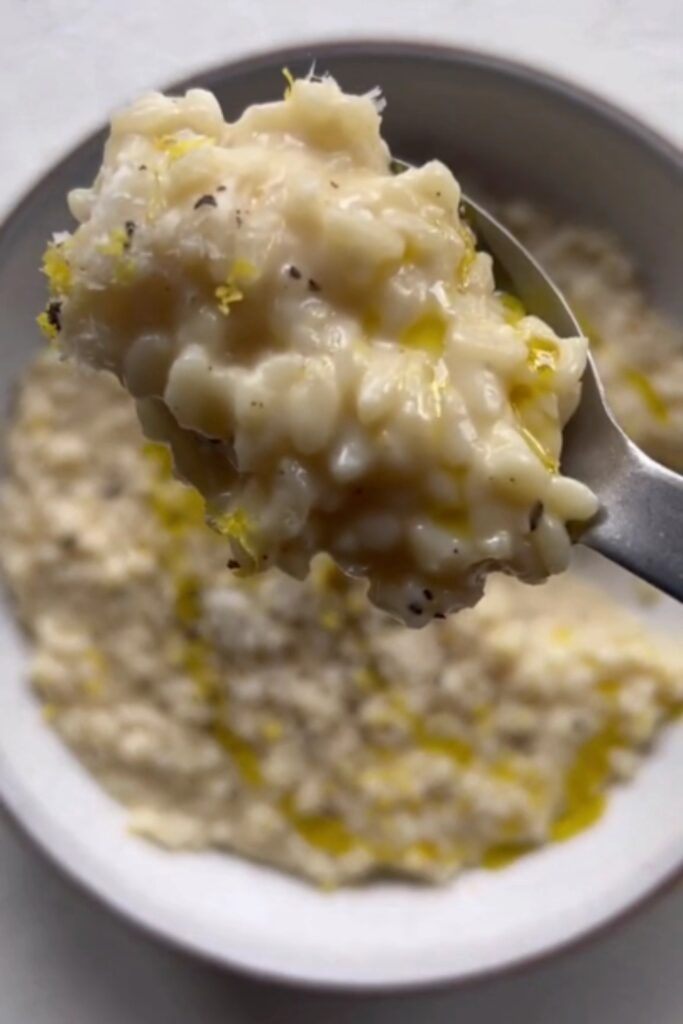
pixel 641 526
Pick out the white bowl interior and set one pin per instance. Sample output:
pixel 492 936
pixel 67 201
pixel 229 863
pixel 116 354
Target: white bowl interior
pixel 383 934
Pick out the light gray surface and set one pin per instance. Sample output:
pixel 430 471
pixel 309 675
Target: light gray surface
pixel 64 961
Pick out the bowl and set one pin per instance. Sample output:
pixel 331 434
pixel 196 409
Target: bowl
pixel 503 128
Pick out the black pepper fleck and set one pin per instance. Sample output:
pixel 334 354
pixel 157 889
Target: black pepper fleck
pixel 439 615
pixel 142 167
pixel 313 285
pixel 232 563
pixel 53 313
pixel 206 200
pixel 294 272
pixel 221 188
pixel 428 594
pixel 334 184
pixel 415 608
pixel 112 489
pixel 67 542
pixel 535 515
pixel 238 218
pixel 129 228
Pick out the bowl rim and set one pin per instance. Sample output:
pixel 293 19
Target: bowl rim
pixel 598 109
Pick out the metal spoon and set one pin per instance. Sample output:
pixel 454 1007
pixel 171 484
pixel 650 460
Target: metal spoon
pixel 640 523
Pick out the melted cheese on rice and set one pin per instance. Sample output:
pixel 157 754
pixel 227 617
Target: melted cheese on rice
pixel 323 347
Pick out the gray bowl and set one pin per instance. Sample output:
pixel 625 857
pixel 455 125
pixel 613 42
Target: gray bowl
pixel 504 129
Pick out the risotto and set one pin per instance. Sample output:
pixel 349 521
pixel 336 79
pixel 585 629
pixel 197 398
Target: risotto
pixel 322 345
pixel 292 722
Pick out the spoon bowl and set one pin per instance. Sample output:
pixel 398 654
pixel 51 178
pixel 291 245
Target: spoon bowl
pixel 640 522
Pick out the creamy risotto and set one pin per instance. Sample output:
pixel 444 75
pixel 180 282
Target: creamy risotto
pixel 288 721
pixel 323 346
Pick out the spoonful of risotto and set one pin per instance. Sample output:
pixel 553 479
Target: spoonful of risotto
pixel 330 357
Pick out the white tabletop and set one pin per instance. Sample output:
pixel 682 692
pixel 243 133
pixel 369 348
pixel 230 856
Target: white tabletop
pixel 65 64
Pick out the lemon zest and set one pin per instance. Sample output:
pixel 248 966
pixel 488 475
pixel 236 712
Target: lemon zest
pixel 116 244
pixel 176 148
pixel 237 526
pixel 57 270
pixel 227 294
pixel 48 329
pixel 242 272
pixel 542 355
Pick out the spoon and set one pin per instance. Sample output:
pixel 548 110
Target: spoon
pixel 640 522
